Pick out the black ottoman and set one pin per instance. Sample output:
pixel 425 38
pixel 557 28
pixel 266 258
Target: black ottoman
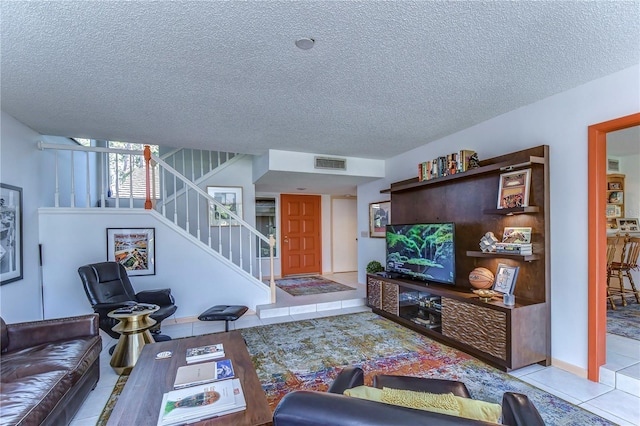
pixel 224 313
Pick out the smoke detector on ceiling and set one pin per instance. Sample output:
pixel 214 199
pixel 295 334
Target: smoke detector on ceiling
pixel 305 43
pixel 330 163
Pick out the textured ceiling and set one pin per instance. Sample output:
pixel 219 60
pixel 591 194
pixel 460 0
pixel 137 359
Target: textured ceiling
pixel 382 78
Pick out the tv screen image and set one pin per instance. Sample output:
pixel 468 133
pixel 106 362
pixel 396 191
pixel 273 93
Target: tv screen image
pixel 423 251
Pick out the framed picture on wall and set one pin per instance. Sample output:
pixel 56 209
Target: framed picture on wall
pixel 10 233
pixel 514 189
pixel 134 248
pixel 379 218
pixel 230 197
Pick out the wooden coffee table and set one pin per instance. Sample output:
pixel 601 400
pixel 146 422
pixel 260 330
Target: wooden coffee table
pixel 139 402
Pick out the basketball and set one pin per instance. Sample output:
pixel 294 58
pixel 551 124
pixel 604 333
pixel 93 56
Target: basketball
pixel 481 278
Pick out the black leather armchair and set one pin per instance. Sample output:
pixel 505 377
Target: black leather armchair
pixel 311 408
pixel 108 287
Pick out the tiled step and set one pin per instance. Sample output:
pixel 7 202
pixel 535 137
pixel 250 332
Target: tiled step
pixel 622 370
pixel 278 310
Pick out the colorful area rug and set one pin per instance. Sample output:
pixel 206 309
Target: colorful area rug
pixel 309 354
pixel 624 321
pixel 115 393
pixel 304 286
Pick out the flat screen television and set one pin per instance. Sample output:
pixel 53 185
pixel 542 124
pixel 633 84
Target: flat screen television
pixel 422 251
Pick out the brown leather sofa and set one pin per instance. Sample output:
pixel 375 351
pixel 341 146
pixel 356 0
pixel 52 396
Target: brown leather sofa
pixel 311 408
pixel 47 368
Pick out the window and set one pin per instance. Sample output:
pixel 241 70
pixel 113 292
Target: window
pixel 82 141
pixel 127 176
pixel 265 222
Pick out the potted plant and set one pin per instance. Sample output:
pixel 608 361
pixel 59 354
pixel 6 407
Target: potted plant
pixel 374 266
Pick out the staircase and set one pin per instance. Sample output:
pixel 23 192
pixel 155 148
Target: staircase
pixel 196 164
pixel 81 181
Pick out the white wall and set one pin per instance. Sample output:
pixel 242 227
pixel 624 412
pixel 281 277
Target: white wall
pixel 74 237
pixel 19 166
pixel 630 167
pixel 561 122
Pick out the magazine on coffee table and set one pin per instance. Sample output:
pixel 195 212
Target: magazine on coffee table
pixel 205 372
pixel 201 402
pixel 203 353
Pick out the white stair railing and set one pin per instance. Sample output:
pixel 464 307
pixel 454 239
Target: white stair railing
pixel 195 164
pixel 189 207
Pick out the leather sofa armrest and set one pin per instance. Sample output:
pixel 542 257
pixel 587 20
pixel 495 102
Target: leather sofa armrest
pixel 311 408
pixel 419 384
pixel 518 410
pixel 348 378
pixel 162 297
pixel 28 334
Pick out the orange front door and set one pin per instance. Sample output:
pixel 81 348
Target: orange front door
pixel 300 232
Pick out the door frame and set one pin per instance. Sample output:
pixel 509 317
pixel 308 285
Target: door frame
pixel 597 238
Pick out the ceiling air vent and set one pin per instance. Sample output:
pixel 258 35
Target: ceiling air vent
pixel 330 163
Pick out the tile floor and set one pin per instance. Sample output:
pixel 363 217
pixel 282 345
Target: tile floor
pixel 617 405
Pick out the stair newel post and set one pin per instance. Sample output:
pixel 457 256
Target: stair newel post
pixel 272 282
pixel 147 159
pixel 154 192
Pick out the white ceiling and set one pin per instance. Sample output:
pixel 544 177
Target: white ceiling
pixel 382 78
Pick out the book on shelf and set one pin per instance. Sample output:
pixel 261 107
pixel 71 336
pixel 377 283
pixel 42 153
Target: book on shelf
pixel 201 402
pixel 514 248
pixel 203 353
pixel 205 372
pixel 464 155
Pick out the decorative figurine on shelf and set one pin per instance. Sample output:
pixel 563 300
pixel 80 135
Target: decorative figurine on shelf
pixel 488 243
pixel 474 163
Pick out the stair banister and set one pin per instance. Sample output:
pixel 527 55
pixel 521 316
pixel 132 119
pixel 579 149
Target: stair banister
pixel 152 166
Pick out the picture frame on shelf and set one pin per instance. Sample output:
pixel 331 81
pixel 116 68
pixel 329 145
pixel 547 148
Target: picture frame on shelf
pixel 134 248
pixel 231 198
pixel 616 197
pixel 614 186
pixel 514 189
pixel 11 260
pixel 628 224
pixel 379 218
pixel 613 211
pixel 518 235
pixel 506 276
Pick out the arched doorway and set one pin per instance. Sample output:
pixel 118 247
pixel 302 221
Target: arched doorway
pixel 597 268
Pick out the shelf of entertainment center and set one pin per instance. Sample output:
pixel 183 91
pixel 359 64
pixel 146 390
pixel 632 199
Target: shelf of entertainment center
pixel 452 292
pixel 513 210
pixel 412 184
pixel 493 255
pixel 501 335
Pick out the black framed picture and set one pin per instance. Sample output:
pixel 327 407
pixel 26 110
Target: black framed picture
pixel 10 233
pixel 379 218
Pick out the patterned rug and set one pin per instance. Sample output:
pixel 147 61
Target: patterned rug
pixel 322 347
pixel 115 393
pixel 304 286
pixel 624 321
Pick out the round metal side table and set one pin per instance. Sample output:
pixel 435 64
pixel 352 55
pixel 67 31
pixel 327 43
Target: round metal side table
pixel 134 334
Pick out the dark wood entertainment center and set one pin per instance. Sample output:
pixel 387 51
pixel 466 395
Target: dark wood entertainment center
pixel 508 337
